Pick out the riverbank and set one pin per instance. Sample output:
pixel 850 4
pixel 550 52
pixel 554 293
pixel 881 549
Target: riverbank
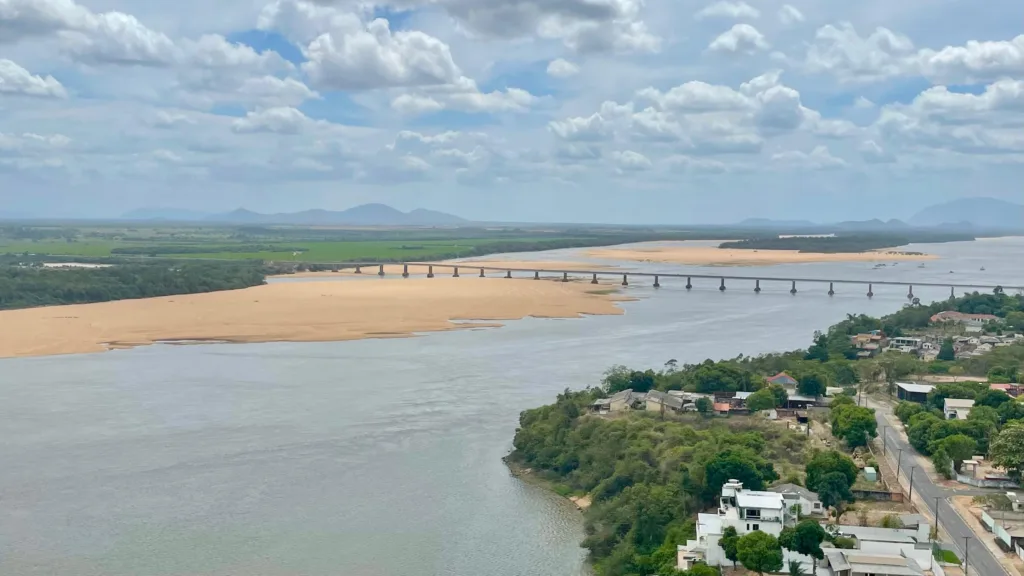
pixel 528 475
pixel 714 256
pixel 297 312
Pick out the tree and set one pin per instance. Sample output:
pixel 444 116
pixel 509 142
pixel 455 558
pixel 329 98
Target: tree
pixel 616 379
pixel 781 397
pixel 728 544
pixel 700 570
pixel 1010 411
pixel 946 351
pixel 739 464
pixel 825 463
pixel 834 492
pixel 805 538
pixel 759 552
pixel 854 424
pixel 819 350
pixel 812 384
pixel 956 372
pixel 992 398
pixel 704 406
pixel 957 447
pixel 1007 449
pixel 795 568
pixel 761 400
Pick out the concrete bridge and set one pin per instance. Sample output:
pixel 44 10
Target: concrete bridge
pixel 509 272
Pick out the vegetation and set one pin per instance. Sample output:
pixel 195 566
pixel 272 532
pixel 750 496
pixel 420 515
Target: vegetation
pixel 805 538
pixel 760 552
pixel 647 476
pixel 24 287
pixel 854 424
pixel 846 242
pixel 1008 449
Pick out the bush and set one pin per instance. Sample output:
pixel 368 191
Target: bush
pixel 844 543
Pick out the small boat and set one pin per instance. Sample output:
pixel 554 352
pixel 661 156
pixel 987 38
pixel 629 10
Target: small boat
pixel 920 265
pixel 982 268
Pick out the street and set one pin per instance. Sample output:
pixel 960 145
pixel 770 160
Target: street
pixel 980 559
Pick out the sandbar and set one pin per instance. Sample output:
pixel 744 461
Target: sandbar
pixel 714 256
pixel 464 266
pixel 297 312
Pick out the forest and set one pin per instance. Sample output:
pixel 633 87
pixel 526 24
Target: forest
pixel 30 286
pixel 846 242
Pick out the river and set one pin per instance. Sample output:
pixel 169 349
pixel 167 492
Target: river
pixel 367 458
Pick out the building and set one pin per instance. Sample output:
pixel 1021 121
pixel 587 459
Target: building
pixel 857 563
pixel 722 408
pixel 974 320
pixel 807 502
pixel 784 380
pixel 913 392
pixel 956 408
pixel 869 345
pixel 906 344
pixel 745 510
pixel 800 402
pixel 660 402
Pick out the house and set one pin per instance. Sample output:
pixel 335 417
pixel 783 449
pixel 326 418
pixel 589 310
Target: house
pixel 656 401
pixel 800 402
pixel 784 380
pixel 745 510
pixel 869 345
pixel 722 408
pixel 913 392
pixel 625 400
pixel 806 501
pixel 956 408
pixel 905 344
pixel 973 320
pixel 1011 389
pixel 857 563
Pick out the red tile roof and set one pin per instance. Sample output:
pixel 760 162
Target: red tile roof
pixel 782 378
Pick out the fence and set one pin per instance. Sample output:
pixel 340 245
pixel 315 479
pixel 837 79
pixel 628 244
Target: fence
pixel 986 482
pixel 878 495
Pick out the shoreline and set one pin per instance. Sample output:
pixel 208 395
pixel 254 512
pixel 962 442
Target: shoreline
pixel 681 253
pixel 299 312
pixel 582 503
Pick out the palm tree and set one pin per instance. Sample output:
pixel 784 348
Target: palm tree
pixel 796 569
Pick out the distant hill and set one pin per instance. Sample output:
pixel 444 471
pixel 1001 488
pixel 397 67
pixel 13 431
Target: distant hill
pixel 364 215
pixel 769 223
pixel 981 213
pixel 875 225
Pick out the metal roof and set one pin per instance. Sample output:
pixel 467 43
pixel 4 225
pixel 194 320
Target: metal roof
pixel 958 403
pixel 915 388
pixel 711 523
pixel 901 535
pixel 742 395
pixel 794 489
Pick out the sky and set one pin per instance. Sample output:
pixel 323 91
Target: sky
pixel 624 111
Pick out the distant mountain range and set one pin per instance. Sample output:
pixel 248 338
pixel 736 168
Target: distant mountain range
pixel 982 213
pixel 364 215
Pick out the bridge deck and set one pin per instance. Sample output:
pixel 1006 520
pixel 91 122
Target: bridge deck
pixel 687 275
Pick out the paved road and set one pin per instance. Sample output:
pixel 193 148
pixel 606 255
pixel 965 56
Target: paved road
pixel 980 558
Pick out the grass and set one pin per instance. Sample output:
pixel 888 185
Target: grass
pixel 947 556
pixel 327 251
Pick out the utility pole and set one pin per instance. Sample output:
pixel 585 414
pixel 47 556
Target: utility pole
pixel 899 460
pixel 966 553
pixel 937 517
pixel 885 438
pixel 911 495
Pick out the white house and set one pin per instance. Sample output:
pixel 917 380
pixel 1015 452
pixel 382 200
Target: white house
pixel 956 408
pixel 910 542
pixel 807 502
pixel 745 510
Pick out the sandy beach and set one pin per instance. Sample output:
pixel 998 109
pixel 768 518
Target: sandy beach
pixel 296 312
pixel 465 267
pixel 714 256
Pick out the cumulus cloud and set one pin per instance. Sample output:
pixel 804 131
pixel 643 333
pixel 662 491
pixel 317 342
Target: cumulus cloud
pixel 16 80
pixel 741 38
pixel 874 154
pixel 630 161
pixel 973 62
pixel 790 15
pixel 726 9
pixel 281 120
pixel 841 51
pixel 817 159
pixel 560 68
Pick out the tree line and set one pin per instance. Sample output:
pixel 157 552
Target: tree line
pixel 30 286
pixel 845 242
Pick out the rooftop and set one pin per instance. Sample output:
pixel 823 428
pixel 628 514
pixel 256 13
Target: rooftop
pixel 794 489
pixel 859 562
pixel 873 534
pixel 742 395
pixel 722 406
pixel 709 524
pixel 757 499
pixel 915 388
pixel 782 378
pixel 957 403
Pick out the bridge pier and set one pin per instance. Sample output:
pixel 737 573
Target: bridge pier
pixel 831 290
pixel 757 286
pixel 722 286
pixel 656 283
pixel 952 293
pixel 536 275
pixel 793 289
pixel 430 271
pixel 594 281
pixel 359 270
pixel 871 292
pixel 625 282
pixel 481 272
pixel 689 285
pixel 565 276
pixel 910 292
pixel 381 273
pixel 456 275
pixel 405 271
pixel 508 274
